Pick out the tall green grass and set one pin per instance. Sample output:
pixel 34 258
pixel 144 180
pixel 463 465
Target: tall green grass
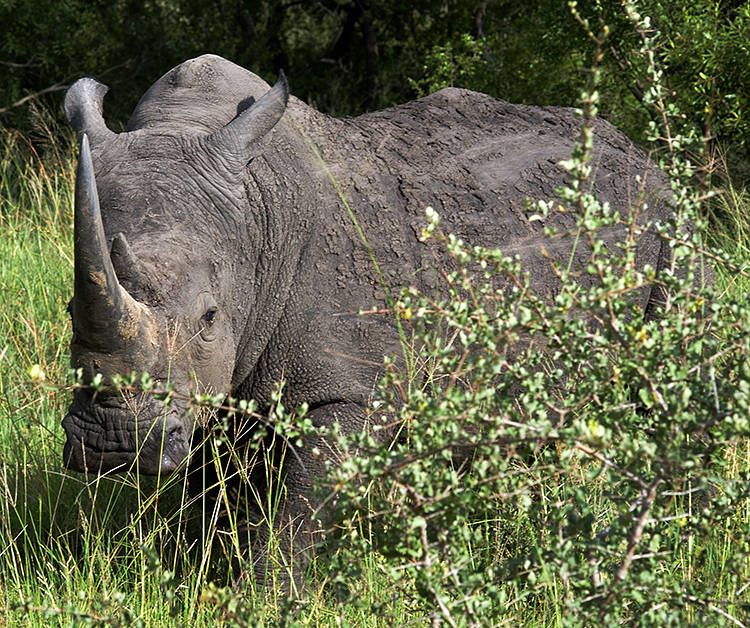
pixel 730 231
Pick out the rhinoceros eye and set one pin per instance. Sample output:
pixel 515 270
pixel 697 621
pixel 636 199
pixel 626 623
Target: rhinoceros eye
pixel 210 316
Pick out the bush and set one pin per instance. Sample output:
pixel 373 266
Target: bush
pixel 602 469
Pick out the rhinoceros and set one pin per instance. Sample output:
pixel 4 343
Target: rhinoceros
pixel 227 240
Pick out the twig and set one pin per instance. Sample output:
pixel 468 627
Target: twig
pixel 29 64
pixel 726 615
pixel 711 606
pixel 61 612
pixel 635 539
pixel 595 454
pixel 428 565
pixel 57 87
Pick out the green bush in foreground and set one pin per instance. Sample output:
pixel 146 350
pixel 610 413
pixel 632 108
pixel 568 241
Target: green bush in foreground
pixel 606 478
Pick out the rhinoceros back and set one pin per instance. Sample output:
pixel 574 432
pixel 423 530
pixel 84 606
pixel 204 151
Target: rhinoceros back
pixel 479 161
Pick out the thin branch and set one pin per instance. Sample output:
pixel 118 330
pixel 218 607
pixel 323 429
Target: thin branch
pixel 604 460
pixel 62 612
pixel 57 87
pixel 479 19
pixel 29 64
pixel 635 539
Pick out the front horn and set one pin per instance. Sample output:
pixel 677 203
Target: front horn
pixel 105 315
pixel 83 109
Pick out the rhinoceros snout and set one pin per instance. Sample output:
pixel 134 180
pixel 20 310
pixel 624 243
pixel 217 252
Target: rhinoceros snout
pixel 102 439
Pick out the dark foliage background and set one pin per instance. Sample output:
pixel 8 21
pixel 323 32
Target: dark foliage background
pixel 349 56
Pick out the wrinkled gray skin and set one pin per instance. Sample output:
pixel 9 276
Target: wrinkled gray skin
pixel 224 259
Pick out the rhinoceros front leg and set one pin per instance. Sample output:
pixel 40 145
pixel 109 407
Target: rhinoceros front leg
pixel 282 552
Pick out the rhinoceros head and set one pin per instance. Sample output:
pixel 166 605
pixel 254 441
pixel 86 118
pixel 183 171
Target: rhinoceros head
pixel 152 289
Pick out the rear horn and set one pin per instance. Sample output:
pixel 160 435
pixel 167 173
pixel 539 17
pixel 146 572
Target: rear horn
pixel 237 142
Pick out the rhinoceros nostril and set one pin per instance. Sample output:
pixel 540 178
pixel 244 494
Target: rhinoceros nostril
pixel 175 448
pixel 174 429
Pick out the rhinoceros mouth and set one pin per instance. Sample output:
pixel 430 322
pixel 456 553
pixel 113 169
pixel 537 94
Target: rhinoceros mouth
pixel 106 436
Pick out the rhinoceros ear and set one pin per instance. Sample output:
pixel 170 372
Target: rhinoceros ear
pixel 238 142
pixel 83 109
